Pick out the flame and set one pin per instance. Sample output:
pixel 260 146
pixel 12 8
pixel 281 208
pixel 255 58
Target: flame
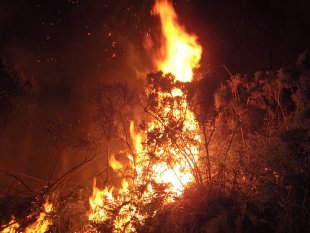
pixel 177 177
pixel 42 223
pixel 136 137
pixel 104 202
pixel 181 51
pixel 97 202
pixel 116 165
pixel 12 226
pixel 180 55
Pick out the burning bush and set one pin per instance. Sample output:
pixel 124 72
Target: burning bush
pixel 234 160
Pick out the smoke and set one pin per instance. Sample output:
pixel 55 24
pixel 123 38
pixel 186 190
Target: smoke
pixel 67 48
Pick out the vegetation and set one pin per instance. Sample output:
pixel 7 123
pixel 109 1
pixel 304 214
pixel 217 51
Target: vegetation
pixel 253 171
pixel 256 140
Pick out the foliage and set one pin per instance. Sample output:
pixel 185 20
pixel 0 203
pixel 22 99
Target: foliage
pixel 172 136
pixel 252 141
pixel 256 138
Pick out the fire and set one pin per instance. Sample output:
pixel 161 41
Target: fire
pixel 156 173
pixel 162 173
pixel 97 201
pixel 178 159
pixel 41 225
pixel 105 202
pixel 181 51
pixel 12 226
pixel 174 166
pixel 182 54
pixel 116 165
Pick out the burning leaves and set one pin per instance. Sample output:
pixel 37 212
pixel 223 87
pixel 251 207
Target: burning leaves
pixel 163 160
pixel 40 225
pixel 172 134
pixel 165 157
pixel 123 209
pixel 153 167
pixel 114 210
pixel 12 226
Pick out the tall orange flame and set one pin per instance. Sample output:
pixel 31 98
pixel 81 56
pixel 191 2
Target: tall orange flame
pixel 181 51
pixel 180 55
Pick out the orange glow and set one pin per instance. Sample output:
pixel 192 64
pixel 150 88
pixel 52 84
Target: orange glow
pixel 177 176
pixel 177 161
pixel 42 224
pixel 116 165
pixel 97 201
pixel 103 202
pixel 181 51
pixel 174 165
pixel 181 54
pixel 12 226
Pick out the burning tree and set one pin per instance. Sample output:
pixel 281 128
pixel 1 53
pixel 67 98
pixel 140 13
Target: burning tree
pixel 232 160
pixel 168 159
pixel 173 137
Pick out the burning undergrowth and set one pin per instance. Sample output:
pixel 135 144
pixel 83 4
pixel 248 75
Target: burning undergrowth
pixel 38 219
pixel 167 162
pixel 162 159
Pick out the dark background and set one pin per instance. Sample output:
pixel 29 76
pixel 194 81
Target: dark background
pixel 245 35
pixel 69 46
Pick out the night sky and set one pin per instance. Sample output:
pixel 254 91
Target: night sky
pixel 69 46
